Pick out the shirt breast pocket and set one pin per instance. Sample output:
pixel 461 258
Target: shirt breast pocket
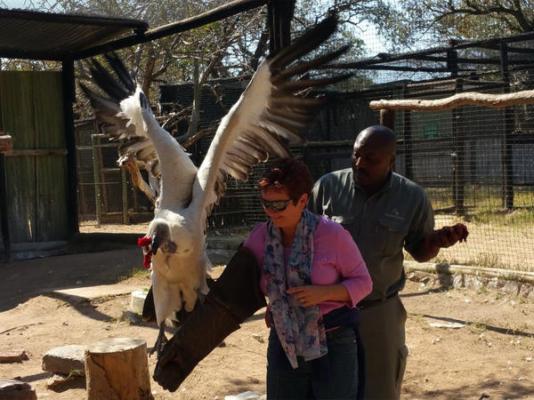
pixel 392 232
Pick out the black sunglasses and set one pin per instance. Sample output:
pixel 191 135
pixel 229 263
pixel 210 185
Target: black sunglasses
pixel 275 205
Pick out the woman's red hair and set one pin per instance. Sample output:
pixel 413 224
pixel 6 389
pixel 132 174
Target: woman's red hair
pixel 288 174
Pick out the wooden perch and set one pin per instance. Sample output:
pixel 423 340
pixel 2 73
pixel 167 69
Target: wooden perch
pixel 190 140
pixel 137 179
pixel 6 144
pixel 117 369
pixel 458 100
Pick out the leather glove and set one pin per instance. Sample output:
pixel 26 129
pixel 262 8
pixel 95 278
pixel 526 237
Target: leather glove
pixel 234 297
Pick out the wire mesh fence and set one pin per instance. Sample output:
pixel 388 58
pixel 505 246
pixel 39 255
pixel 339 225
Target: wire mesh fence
pixel 105 191
pixel 475 163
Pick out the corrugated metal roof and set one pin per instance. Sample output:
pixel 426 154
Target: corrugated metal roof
pixel 40 35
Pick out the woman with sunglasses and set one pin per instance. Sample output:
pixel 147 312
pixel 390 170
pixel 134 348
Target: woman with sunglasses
pixel 313 275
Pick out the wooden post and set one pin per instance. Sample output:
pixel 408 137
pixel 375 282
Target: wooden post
pixel 452 62
pixel 279 16
pixel 387 118
pixel 6 145
pixel 117 369
pixel 506 149
pixel 69 97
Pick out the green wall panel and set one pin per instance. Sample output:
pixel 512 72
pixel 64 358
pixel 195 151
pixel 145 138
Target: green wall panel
pixel 31 108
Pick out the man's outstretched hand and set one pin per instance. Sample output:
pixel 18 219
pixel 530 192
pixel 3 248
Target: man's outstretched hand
pixel 449 235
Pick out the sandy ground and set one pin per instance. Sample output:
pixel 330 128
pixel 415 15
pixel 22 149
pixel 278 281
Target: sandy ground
pixel 490 357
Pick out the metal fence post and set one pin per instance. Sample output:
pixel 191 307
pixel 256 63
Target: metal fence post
pixel 458 162
pixel 506 149
pixel 96 175
pixel 124 185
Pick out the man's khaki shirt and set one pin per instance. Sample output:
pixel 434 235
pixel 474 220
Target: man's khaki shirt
pixel 398 215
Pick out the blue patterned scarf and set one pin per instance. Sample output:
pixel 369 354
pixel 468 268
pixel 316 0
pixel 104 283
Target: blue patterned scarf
pixel 300 329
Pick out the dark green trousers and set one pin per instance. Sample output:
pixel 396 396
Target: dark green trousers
pixel 382 332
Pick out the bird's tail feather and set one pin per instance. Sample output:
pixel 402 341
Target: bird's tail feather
pixel 117 83
pixel 121 71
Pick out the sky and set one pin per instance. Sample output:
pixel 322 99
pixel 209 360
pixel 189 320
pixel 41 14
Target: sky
pixel 14 3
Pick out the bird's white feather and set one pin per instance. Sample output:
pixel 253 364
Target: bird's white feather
pixel 270 114
pixel 177 169
pixel 241 120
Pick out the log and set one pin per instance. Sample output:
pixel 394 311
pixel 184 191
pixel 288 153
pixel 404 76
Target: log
pixel 458 100
pixel 11 389
pixel 117 369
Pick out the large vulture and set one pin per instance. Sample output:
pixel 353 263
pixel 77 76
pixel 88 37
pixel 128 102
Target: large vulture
pixel 272 113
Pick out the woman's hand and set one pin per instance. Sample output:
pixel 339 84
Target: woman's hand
pixel 312 295
pixel 308 296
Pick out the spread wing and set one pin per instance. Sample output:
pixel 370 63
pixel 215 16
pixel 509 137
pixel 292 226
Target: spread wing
pixel 272 113
pixel 124 114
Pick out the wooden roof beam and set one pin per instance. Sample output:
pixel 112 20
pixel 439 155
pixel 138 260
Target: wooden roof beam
pixel 216 14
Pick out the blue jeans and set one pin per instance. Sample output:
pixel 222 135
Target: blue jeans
pixel 335 376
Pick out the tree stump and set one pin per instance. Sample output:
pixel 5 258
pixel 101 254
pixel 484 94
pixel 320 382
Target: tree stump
pixel 117 369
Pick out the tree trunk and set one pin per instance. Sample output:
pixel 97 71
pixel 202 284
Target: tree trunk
pixel 117 369
pixel 197 92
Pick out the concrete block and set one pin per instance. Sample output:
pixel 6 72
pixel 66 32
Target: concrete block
pixel 65 359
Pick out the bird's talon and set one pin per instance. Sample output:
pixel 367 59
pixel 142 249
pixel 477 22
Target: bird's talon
pixel 161 341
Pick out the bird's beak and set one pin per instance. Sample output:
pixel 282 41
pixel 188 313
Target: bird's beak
pixel 156 242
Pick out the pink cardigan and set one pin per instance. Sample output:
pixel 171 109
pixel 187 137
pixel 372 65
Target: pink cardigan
pixel 336 259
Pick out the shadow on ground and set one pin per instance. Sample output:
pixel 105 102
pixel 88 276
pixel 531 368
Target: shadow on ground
pixel 92 260
pixel 507 390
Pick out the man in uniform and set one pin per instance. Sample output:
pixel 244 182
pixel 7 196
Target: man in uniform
pixel 385 212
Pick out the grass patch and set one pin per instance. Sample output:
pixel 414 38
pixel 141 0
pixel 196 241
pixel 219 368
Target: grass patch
pixel 480 195
pixel 487 260
pixel 517 218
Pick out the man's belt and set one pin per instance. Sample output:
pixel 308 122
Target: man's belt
pixel 365 304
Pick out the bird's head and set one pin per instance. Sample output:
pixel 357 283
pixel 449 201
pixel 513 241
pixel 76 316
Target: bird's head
pixel 160 237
